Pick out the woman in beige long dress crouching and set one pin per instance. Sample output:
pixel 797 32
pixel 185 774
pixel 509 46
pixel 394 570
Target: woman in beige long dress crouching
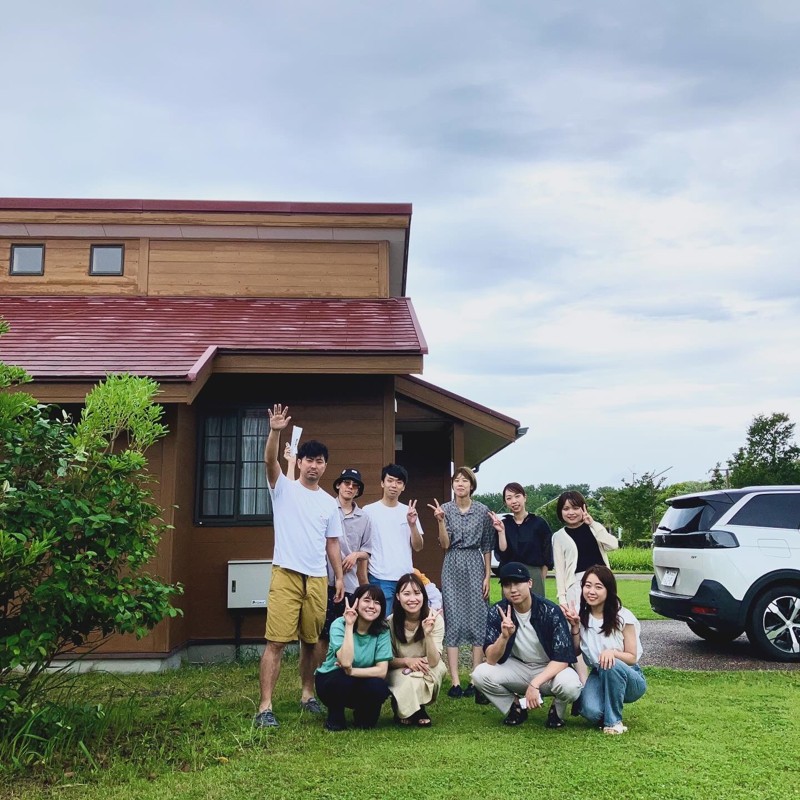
pixel 416 671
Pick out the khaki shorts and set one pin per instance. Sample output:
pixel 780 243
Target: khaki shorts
pixel 295 606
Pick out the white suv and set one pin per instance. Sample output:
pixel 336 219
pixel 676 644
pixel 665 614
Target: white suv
pixel 728 561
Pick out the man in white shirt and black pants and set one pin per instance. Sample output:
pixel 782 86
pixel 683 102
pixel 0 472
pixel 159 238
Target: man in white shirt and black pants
pixel 396 532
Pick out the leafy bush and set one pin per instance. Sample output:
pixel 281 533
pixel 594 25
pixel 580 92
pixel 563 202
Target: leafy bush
pixel 631 559
pixel 77 527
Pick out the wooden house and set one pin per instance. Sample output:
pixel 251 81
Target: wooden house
pixel 231 307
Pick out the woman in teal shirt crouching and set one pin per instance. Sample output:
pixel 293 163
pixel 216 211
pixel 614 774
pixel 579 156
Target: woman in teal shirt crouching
pixel 353 674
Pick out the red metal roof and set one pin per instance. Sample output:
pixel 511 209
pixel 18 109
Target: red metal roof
pixel 63 338
pixel 199 206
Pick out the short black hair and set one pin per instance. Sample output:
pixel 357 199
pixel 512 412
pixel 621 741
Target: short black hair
pixel 312 449
pixel 396 471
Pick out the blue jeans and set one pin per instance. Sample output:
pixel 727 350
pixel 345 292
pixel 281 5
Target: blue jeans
pixel 388 589
pixel 607 689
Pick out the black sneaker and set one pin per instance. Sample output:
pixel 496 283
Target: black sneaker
pixel 516 715
pixel 480 698
pixel 455 691
pixel 553 720
pixel 265 719
pixel 311 705
pixel 469 691
pixel 334 726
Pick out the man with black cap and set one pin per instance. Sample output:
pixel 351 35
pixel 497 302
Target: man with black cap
pixel 528 649
pixel 355 546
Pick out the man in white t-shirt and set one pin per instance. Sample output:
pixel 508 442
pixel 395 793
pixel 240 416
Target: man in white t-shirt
pixel 396 532
pixel 307 530
pixel 528 649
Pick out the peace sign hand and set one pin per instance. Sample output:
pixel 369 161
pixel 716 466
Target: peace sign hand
pixel 350 612
pixel 429 622
pixel 587 517
pixel 571 613
pixel 278 417
pixel 411 514
pixel 438 511
pixel 507 626
pixel 497 522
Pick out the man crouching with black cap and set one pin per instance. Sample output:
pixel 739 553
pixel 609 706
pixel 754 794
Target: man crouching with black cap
pixel 528 650
pixel 356 547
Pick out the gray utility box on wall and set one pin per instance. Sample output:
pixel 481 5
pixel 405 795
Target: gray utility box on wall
pixel 248 583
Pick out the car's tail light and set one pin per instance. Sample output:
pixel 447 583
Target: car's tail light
pixel 702 540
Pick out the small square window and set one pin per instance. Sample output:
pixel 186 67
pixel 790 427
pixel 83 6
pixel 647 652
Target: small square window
pixel 106 259
pixel 27 259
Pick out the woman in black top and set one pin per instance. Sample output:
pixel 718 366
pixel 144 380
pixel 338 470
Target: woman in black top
pixel 523 537
pixel 580 544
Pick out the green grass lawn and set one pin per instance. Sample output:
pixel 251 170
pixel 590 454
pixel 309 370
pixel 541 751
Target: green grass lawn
pixel 187 734
pixel 634 595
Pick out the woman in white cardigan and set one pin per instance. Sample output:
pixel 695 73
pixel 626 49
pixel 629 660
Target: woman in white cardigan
pixel 580 544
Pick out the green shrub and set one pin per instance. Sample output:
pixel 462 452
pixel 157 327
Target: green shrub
pixel 631 559
pixel 77 529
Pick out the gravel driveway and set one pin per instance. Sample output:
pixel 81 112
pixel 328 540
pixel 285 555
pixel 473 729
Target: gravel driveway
pixel 669 643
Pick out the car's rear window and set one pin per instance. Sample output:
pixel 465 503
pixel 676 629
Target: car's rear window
pixel 770 511
pixel 689 517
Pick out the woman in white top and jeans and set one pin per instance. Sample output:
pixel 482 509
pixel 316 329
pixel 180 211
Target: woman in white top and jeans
pixel 608 637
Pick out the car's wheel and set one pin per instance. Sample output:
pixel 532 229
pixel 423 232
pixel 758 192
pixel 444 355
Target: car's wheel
pixel 715 635
pixel 773 626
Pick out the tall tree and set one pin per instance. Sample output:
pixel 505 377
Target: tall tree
pixel 770 455
pixel 637 506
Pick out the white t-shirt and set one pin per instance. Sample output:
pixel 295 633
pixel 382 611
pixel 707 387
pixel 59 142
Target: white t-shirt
pixel 527 647
pixel 303 519
pixel 391 541
pixel 593 641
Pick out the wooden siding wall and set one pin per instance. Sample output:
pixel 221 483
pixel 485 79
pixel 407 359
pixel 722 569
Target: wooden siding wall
pixel 160 459
pixel 66 269
pixel 265 269
pixel 344 412
pixel 204 268
pixel 426 456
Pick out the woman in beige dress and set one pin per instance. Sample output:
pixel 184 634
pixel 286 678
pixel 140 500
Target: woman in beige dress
pixel 416 671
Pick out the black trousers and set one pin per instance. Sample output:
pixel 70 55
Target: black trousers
pixel 364 695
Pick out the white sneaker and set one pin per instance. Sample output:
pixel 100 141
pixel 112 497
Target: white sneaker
pixel 615 730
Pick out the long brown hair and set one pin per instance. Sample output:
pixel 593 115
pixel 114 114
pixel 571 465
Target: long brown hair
pixel 612 605
pixel 399 613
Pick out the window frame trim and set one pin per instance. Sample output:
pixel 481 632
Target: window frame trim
pixel 236 521
pixel 28 245
pixel 114 246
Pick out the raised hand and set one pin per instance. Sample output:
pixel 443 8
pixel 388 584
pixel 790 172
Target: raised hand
pixel 429 622
pixel 507 626
pixel 497 522
pixel 571 613
pixel 411 514
pixel 350 612
pixel 279 417
pixel 438 511
pixel 587 517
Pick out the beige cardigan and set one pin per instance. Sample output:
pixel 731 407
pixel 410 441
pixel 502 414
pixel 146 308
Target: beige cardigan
pixel 565 555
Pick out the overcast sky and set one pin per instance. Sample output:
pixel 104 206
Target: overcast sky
pixel 606 194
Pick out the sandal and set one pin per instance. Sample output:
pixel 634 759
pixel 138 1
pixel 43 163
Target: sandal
pixel 423 720
pixel 615 730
